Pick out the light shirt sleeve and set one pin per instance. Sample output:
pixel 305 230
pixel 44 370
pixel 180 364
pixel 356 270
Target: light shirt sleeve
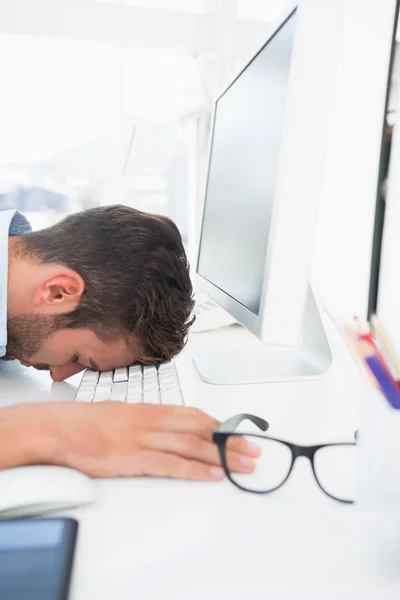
pixel 12 222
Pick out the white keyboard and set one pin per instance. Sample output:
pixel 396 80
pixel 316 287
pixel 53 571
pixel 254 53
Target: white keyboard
pixel 150 384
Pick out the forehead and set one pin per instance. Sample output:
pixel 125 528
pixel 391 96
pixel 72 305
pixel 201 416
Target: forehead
pixel 84 342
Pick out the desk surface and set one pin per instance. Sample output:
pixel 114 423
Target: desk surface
pixel 154 539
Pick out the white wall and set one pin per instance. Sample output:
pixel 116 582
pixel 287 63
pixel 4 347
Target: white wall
pixel 341 264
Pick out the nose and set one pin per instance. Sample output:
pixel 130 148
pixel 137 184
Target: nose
pixel 59 373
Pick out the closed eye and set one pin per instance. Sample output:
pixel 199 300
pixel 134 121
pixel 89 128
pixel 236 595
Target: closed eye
pixel 93 365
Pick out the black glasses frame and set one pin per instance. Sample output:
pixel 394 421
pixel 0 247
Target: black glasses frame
pixel 227 429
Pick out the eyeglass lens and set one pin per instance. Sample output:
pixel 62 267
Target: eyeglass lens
pixel 272 466
pixel 335 468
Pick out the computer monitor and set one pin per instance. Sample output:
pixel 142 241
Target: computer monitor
pixel 301 121
pixel 382 187
pixel 384 291
pixel 265 165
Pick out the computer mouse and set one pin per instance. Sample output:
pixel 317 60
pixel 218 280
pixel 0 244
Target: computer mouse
pixel 34 490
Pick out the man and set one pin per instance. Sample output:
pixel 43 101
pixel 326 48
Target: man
pixel 101 289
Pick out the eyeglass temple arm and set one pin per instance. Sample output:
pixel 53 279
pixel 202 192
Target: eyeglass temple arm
pixel 234 422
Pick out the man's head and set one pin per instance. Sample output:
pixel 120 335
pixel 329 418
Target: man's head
pixel 103 288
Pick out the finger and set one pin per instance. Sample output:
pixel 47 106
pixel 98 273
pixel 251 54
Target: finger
pixel 163 464
pixel 241 445
pixel 184 411
pixel 195 421
pixel 195 448
pixel 163 416
pixel 204 429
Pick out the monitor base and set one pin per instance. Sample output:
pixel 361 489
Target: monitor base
pixel 309 360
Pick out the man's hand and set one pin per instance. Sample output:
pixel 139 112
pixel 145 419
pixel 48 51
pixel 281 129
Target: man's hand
pixel 114 439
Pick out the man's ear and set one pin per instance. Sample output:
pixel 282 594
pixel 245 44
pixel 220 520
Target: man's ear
pixel 60 292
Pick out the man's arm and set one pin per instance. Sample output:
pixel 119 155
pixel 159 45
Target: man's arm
pixel 25 436
pixel 115 439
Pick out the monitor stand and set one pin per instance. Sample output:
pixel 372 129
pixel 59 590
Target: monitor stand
pixel 261 364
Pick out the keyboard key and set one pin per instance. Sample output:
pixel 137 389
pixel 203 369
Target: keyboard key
pixel 151 398
pixel 84 396
pixel 171 397
pixel 134 398
pixel 102 393
pixel 118 391
pixel 121 374
pixel 150 378
pixel 105 378
pixel 136 384
pixel 87 388
pixel 168 384
pixel 90 375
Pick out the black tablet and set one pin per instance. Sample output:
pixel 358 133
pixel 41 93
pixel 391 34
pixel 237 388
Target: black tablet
pixel 36 558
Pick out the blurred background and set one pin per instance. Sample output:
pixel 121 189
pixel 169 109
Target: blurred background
pixel 107 101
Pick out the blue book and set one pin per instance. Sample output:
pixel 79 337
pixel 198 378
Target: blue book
pixel 386 383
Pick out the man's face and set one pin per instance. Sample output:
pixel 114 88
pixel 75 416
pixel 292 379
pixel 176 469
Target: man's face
pixel 33 341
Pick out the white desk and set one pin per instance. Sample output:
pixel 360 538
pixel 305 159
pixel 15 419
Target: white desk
pixel 156 539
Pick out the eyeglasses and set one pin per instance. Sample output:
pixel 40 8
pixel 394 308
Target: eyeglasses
pixel 333 465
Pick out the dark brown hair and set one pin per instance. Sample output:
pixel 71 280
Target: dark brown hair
pixel 136 276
